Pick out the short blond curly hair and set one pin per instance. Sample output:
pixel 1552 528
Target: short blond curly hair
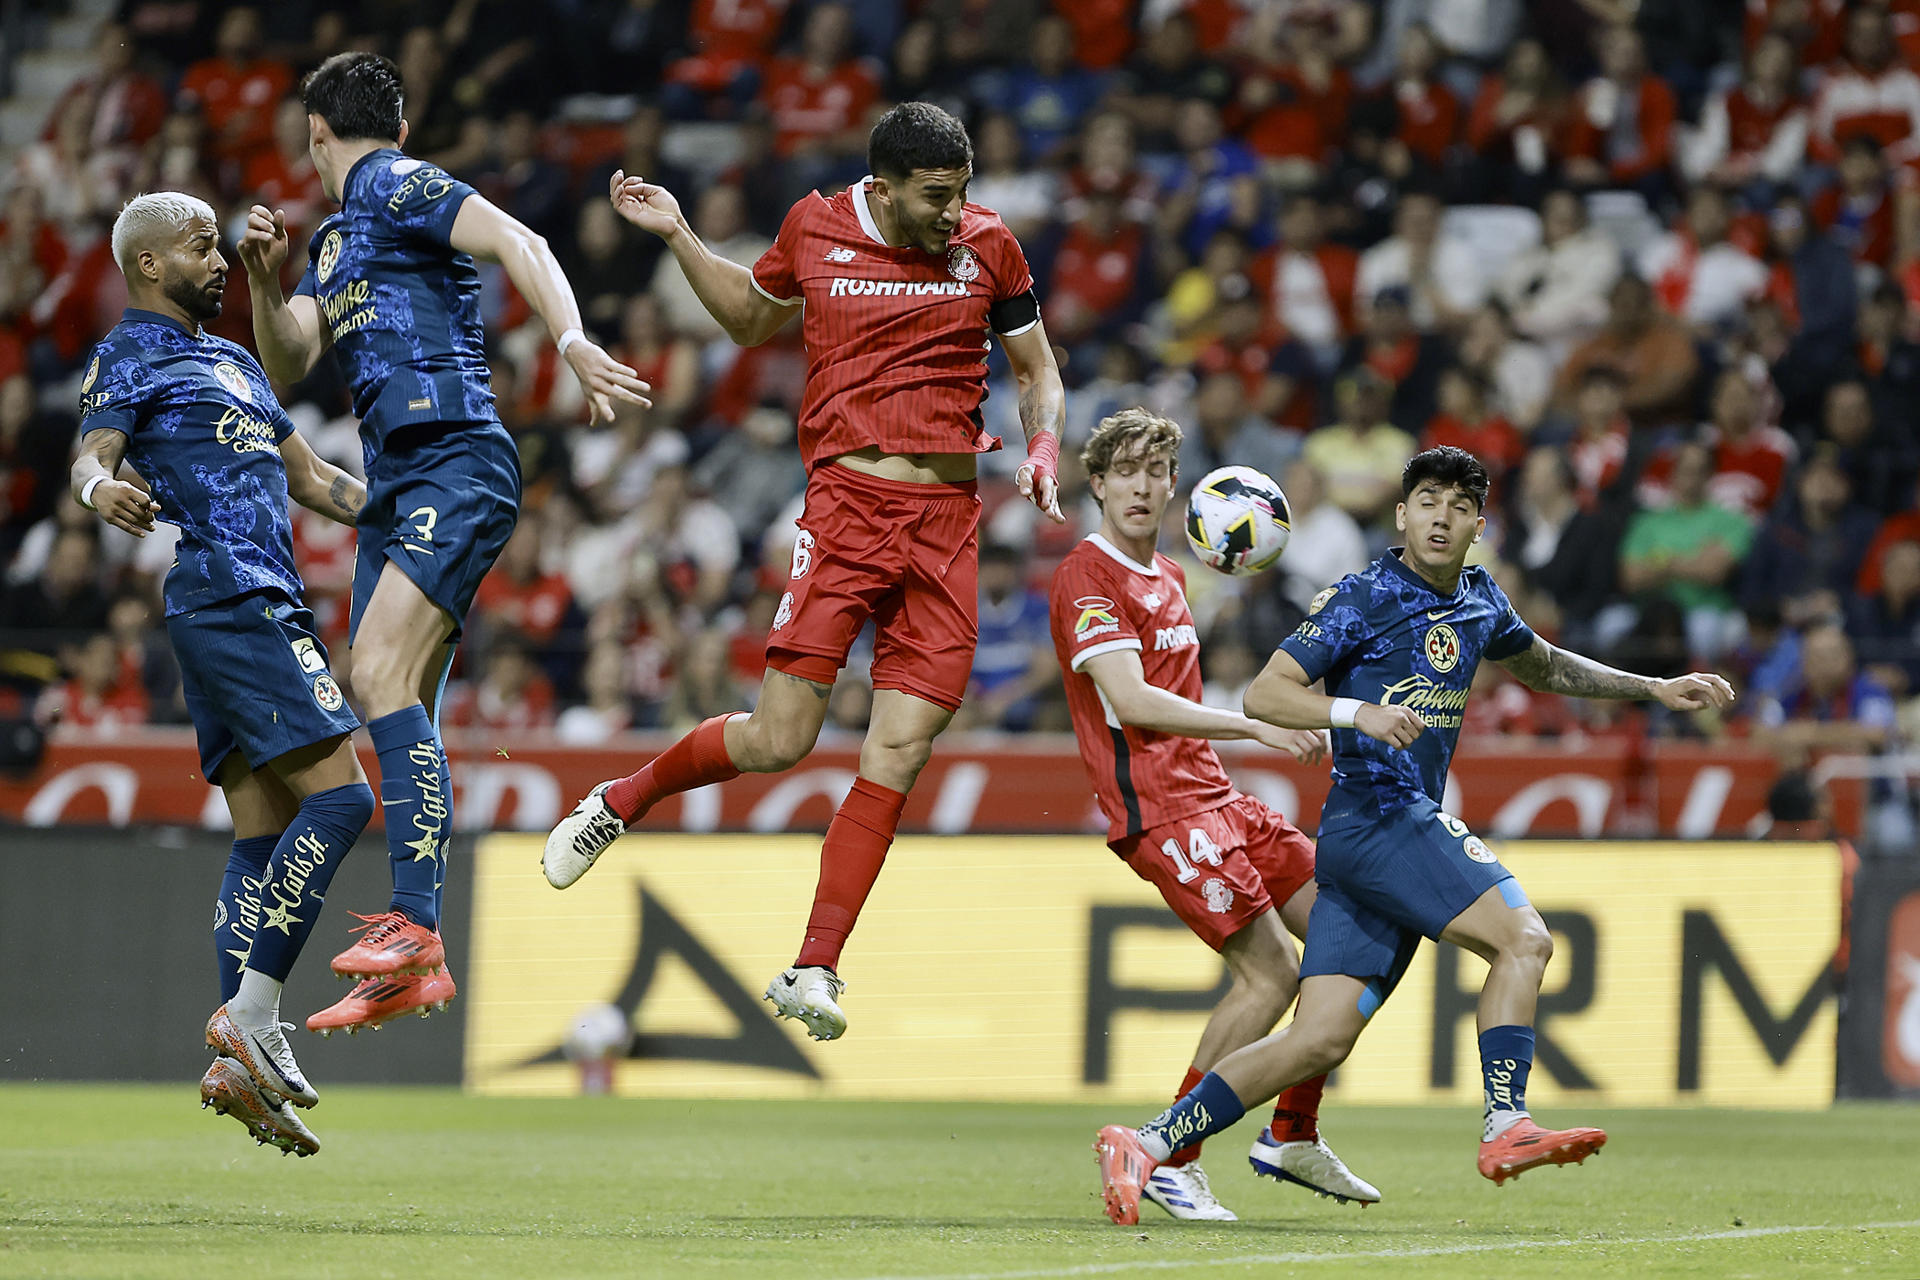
pixel 1131 433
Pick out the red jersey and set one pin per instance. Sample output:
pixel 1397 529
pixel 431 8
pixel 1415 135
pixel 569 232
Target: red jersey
pixel 1102 601
pixel 896 337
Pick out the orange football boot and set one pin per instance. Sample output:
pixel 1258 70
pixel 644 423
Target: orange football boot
pixel 229 1090
pixel 378 1000
pixel 1527 1146
pixel 390 944
pixel 1125 1167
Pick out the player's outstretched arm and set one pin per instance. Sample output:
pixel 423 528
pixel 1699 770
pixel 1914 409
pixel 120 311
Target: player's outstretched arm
pixel 483 230
pixel 725 288
pixel 1551 669
pixel 1282 695
pixel 318 485
pixel 1144 705
pixel 126 507
pixel 288 331
pixel 1043 415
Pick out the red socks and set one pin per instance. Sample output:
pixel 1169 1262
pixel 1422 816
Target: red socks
pixel 856 845
pixel 1296 1115
pixel 1187 1155
pixel 694 761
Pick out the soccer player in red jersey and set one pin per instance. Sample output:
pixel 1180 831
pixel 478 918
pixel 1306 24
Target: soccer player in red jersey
pixel 1237 873
pixel 901 282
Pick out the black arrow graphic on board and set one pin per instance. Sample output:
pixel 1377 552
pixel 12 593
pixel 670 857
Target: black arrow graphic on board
pixel 760 1042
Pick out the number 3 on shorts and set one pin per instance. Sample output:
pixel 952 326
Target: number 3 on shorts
pixel 1203 849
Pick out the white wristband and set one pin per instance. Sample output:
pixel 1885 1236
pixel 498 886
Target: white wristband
pixel 568 338
pixel 1344 710
pixel 86 492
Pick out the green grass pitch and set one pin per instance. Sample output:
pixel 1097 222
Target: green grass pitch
pixel 135 1181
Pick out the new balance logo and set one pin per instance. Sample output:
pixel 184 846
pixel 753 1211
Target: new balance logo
pixel 849 288
pixel 840 255
pixel 1175 637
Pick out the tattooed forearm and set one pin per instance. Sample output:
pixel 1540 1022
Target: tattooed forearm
pixel 347 496
pixel 1043 407
pixel 1551 669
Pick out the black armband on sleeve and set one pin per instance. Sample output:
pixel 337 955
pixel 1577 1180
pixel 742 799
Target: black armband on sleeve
pixel 1013 315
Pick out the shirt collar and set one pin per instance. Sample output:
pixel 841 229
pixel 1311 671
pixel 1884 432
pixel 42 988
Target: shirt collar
pixel 139 315
pixel 1144 570
pixel 1397 565
pixel 858 194
pixel 346 184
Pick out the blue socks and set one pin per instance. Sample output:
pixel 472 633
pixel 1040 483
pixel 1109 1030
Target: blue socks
pixel 417 801
pixel 1211 1106
pixel 236 912
pixel 303 863
pixel 1506 1057
pixel 446 843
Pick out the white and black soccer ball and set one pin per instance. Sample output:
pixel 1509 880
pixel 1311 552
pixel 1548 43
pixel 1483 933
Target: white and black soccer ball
pixel 1238 520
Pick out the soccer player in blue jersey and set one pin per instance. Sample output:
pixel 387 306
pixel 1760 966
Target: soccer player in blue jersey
pixel 392 286
pixel 195 418
pixel 1397 646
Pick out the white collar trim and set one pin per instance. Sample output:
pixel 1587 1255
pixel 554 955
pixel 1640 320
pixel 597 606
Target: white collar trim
pixel 1144 570
pixel 858 194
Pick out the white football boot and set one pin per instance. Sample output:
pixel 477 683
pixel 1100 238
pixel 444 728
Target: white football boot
pixel 581 837
pixel 812 995
pixel 1183 1191
pixel 265 1053
pixel 1311 1165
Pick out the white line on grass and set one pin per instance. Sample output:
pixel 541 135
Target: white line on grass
pixel 1436 1251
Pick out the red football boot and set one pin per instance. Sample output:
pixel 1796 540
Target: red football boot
pixel 390 944
pixel 1527 1146
pixel 1125 1167
pixel 378 1000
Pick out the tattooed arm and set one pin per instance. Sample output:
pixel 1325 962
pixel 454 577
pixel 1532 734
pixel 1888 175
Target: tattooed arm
pixel 316 483
pixel 1043 412
pixel 1551 669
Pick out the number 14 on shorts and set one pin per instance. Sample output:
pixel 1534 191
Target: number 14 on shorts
pixel 1200 849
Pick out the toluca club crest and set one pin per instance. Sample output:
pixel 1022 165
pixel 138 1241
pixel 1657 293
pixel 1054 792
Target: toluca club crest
pixel 963 264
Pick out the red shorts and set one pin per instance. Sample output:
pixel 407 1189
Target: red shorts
pixel 905 555
pixel 1233 863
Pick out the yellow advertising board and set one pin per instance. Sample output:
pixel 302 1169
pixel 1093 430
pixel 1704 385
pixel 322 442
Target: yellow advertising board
pixel 1040 968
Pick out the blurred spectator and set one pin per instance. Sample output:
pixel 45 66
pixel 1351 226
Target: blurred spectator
pixel 33 460
pixel 1467 421
pixel 1440 275
pixel 1697 273
pixel 1602 435
pixel 434 119
pixel 1902 526
pixel 1406 359
pixel 1098 274
pixel 1310 281
pixel 662 358
pixel 624 43
pixel 1565 553
pixel 1812 282
pixel 609 268
pixel 1518 114
pixel 238 89
pixel 720 219
pixel 1886 624
pixel 1049 95
pixel 1750 458
pixel 74 183
pixel 146 659
pixel 1361 453
pixel 1651 352
pixel 1556 291
pixel 1814 27
pixel 1427 113
pixel 64 600
pixel 282 177
pixel 1832 706
pixel 921 71
pixel 1013 662
pixel 1226 432
pixel 1868 93
pixel 703 687
pixel 819 99
pixel 1518 373
pixel 1886 360
pixel 1168 74
pixel 729 43
pixel 1273 372
pixel 98 693
pixel 1814 543
pixel 1025 197
pixel 1325 546
pixel 522 596
pixel 607 710
pixel 1689 552
pixel 522 181
pixel 126 105
pixel 1858 213
pixel 511 695
pixel 1877 453
pixel 756 467
pixel 1621 130
pixel 1755 132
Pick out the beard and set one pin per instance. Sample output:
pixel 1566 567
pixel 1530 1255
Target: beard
pixel 199 301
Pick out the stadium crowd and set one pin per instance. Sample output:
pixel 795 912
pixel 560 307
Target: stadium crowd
pixel 1657 265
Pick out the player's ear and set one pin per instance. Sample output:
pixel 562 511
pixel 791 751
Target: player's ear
pixel 1400 517
pixel 1479 528
pixel 401 141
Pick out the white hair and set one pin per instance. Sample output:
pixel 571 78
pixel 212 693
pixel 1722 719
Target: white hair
pixel 150 213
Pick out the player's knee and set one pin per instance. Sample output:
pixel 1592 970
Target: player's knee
pixel 1269 993
pixel 380 680
pixel 770 746
pixel 1322 1049
pixel 1533 944
pixel 349 806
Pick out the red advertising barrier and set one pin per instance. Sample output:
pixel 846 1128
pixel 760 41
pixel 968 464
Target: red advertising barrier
pixel 976 783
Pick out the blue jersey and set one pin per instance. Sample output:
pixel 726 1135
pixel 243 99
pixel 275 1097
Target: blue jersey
pixel 402 303
pixel 1387 635
pixel 204 429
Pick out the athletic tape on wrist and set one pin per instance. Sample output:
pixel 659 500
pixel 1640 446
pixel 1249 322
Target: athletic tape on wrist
pixel 1343 712
pixel 86 492
pixel 568 338
pixel 1043 454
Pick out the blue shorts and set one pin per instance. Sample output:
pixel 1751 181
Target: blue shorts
pixel 441 504
pixel 1388 879
pixel 256 681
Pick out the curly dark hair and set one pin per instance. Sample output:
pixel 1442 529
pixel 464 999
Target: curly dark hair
pixel 1447 468
pixel 917 135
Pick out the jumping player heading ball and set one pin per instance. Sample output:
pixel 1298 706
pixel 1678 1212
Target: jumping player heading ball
pixel 901 281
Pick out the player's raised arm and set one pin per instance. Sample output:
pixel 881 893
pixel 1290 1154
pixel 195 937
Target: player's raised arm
pixel 97 487
pixel 1550 669
pixel 1281 695
pixel 1043 412
pixel 1137 702
pixel 725 288
pixel 318 485
pixel 289 331
pixel 483 230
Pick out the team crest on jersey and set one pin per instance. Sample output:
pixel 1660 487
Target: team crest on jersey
pixel 1477 849
pixel 93 372
pixel 329 257
pixel 1219 896
pixel 229 376
pixel 784 614
pixel 1096 617
pixel 1320 601
pixel 1443 648
pixel 327 693
pixel 963 264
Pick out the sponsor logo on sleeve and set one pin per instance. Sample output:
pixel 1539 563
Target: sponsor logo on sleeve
pixel 1096 618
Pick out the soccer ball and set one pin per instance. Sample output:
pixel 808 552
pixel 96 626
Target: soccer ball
pixel 1238 521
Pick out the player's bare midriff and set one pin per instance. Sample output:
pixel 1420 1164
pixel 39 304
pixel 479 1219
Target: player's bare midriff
pixel 911 468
